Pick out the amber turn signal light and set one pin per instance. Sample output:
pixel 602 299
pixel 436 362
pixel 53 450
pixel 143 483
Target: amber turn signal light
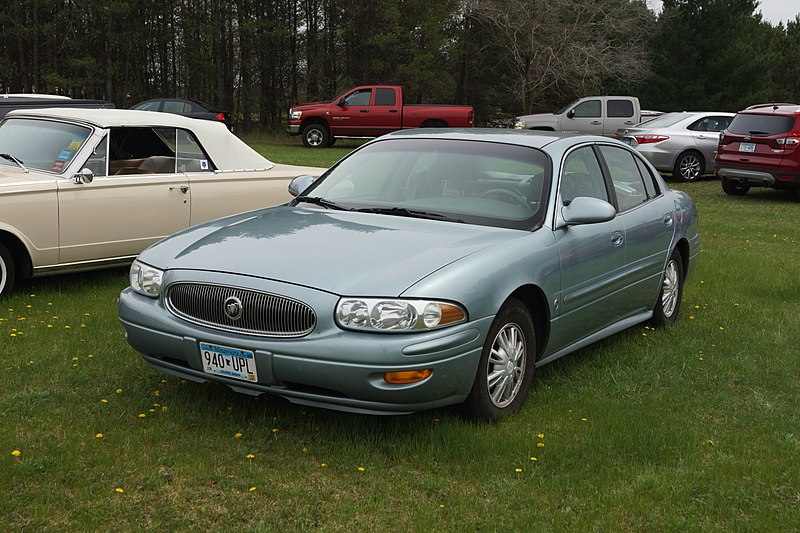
pixel 407 376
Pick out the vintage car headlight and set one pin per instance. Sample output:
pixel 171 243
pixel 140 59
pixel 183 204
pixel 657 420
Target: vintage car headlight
pixel 295 115
pixel 394 315
pixel 145 279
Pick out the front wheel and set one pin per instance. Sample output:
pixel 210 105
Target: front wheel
pixel 505 370
pixel 7 271
pixel 316 136
pixel 669 298
pixel 734 189
pixel 688 167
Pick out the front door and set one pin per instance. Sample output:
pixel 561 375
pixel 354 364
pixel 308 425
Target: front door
pixel 351 115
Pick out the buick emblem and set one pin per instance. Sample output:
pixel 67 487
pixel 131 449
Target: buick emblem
pixel 233 308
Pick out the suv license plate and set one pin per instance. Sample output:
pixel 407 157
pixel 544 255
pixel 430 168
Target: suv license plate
pixel 747 147
pixel 228 362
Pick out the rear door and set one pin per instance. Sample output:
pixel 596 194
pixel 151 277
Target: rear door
pixel 705 133
pixel 387 110
pixel 619 113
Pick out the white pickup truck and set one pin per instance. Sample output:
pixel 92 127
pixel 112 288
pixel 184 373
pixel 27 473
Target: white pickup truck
pixel 598 115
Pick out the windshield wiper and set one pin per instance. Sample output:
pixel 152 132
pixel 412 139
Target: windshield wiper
pixel 318 200
pixel 413 213
pixel 15 160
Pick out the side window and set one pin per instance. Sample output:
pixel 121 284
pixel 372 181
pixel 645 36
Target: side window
pixel 142 151
pixel 620 108
pixel 588 109
pixel 384 96
pixel 715 124
pixel 361 97
pixel 581 176
pixel 97 161
pixel 148 106
pixel 629 187
pixel 649 181
pixel 191 157
pixel 174 106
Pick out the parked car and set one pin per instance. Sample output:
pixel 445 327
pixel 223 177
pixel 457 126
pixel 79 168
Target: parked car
pixel 760 149
pixel 427 268
pixel 596 115
pixel 370 111
pixel 681 143
pixel 90 188
pixel 10 102
pixel 186 108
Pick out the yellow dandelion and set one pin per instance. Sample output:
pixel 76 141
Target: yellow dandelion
pixel 151 410
pixel 16 453
pixel 540 435
pixel 323 465
pixel 691 317
pixel 540 444
pixel 722 328
pixel 361 469
pixel 118 391
pixel 13 335
pixel 157 393
pixel 274 430
pixel 119 490
pixel 164 409
pixel 534 459
pixel 103 400
pixel 305 450
pixel 49 325
pixel 237 436
pixel 518 470
pixel 74 358
pixel 67 327
pixel 250 456
pixel 142 415
pixel 584 419
pixel 710 442
pixel 156 405
pixel 251 489
pixel 99 436
pixel 441 506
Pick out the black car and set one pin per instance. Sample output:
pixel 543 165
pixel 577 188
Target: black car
pixel 187 108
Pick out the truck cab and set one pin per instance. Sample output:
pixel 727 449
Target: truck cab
pixel 596 115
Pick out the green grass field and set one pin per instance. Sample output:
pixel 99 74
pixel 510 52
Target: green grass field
pixel 690 428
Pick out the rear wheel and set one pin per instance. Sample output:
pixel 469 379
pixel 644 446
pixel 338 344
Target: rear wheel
pixel 316 136
pixel 505 370
pixel 734 189
pixel 689 166
pixel 669 299
pixel 7 271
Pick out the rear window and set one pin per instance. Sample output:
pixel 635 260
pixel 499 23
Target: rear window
pixel 761 125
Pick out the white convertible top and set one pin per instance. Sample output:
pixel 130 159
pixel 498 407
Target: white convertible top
pixel 225 149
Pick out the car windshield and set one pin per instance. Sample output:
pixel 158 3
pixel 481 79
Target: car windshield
pixel 760 125
pixel 564 109
pixel 666 120
pixel 460 180
pixel 41 144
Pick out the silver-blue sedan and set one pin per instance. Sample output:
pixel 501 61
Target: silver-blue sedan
pixel 427 268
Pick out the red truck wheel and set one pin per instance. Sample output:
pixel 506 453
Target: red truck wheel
pixel 316 136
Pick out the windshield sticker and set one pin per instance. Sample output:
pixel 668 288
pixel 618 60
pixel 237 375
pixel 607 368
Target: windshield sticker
pixel 65 154
pixel 58 165
pixel 203 164
pixel 75 144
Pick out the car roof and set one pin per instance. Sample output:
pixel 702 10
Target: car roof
pixel 777 109
pixel 225 149
pixel 529 138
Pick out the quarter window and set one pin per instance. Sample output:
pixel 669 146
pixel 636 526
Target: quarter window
pixel 629 188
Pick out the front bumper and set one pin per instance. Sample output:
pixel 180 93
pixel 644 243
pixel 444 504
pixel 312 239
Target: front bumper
pixel 293 129
pixel 329 368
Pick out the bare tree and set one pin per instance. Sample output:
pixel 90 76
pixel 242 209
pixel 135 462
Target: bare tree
pixel 567 46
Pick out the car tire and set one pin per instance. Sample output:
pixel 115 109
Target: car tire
pixel 668 304
pixel 506 366
pixel 689 166
pixel 7 271
pixel 316 136
pixel 734 189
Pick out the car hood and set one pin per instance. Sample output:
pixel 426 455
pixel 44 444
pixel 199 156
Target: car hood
pixel 538 119
pixel 339 252
pixel 17 180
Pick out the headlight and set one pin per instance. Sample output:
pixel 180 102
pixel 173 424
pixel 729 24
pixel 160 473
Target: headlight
pixel 519 124
pixel 145 279
pixel 295 115
pixel 375 314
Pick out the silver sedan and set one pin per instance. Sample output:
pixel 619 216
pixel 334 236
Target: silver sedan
pixel 681 143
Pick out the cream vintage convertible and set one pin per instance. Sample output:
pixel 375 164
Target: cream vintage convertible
pixel 84 189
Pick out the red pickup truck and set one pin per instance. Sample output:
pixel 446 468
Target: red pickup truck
pixel 370 111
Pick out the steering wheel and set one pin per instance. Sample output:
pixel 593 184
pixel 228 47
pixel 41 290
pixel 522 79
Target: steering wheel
pixel 507 195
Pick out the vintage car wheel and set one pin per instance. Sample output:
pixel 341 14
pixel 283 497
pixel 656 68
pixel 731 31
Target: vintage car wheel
pixel 669 298
pixel 505 370
pixel 316 136
pixel 734 189
pixel 688 167
pixel 6 271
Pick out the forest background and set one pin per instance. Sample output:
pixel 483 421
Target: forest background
pixel 504 57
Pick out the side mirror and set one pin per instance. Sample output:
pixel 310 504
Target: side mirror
pixel 342 103
pixel 84 177
pixel 585 210
pixel 571 113
pixel 300 184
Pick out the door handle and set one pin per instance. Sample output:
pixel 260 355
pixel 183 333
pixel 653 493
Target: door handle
pixel 184 188
pixel 393 111
pixel 617 238
pixel 667 220
pixel 596 122
pixel 364 111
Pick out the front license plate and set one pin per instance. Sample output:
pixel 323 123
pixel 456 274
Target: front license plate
pixel 228 362
pixel 747 147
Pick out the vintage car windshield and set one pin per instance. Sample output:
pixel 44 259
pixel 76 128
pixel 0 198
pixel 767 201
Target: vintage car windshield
pixel 41 144
pixel 476 182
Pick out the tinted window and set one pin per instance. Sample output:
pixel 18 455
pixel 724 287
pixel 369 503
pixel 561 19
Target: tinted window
pixel 715 124
pixel 582 176
pixel 761 125
pixel 620 108
pixel 590 109
pixel 174 106
pixel 384 96
pixel 628 185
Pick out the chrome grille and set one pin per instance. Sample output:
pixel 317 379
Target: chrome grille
pixel 262 313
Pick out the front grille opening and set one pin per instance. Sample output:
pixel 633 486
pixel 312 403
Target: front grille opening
pixel 262 313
